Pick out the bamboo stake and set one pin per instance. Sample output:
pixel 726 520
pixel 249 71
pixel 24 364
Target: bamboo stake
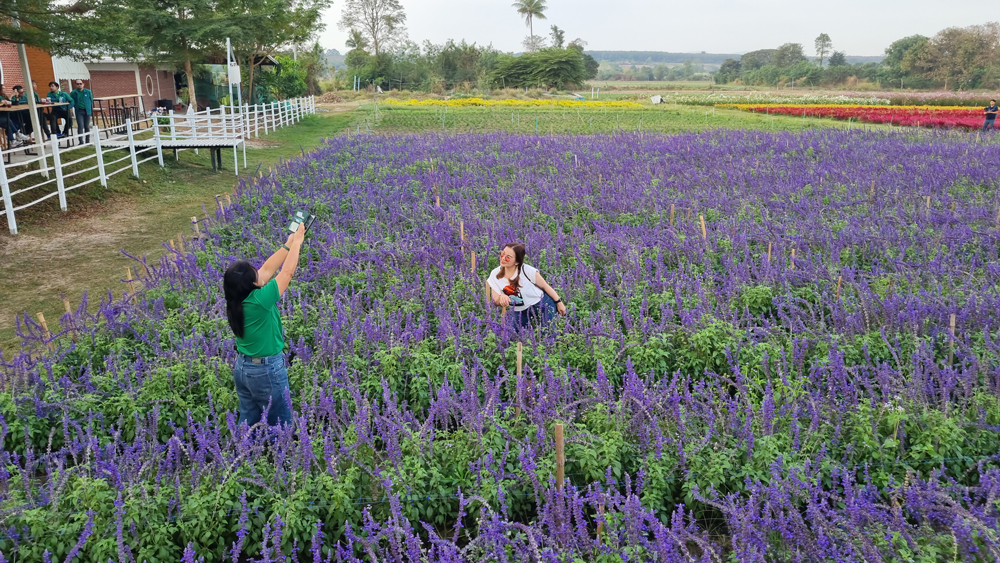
pixel 180 242
pixel 688 215
pixel 229 201
pixel 871 194
pixel 437 201
pixel 473 262
pixel 461 231
pixel 672 216
pixel 769 254
pixel 45 327
pixel 72 331
pixel 600 524
pixel 951 330
pixel 560 457
pixel 517 410
pixel 128 278
pixel 704 233
pixel 839 280
pixel 793 259
pixel 222 208
pixel 928 206
pixel 197 231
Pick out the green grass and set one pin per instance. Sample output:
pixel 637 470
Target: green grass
pixel 666 118
pixel 68 253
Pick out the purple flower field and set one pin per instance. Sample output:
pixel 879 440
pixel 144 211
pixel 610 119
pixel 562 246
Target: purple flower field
pixel 811 374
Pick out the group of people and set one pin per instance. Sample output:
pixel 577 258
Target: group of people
pixel 17 124
pixel 252 294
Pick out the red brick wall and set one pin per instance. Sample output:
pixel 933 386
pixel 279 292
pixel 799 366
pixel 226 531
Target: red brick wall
pixel 112 82
pixel 39 62
pixel 156 85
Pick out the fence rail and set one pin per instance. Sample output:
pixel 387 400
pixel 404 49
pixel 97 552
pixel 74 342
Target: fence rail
pixel 55 167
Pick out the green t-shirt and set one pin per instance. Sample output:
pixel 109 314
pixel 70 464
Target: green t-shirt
pixel 262 331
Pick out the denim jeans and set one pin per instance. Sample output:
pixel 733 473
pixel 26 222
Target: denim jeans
pixel 988 124
pixel 83 123
pixel 258 384
pixel 542 312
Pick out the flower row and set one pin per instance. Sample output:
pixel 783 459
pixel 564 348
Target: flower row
pixel 771 98
pixel 918 116
pixel 480 102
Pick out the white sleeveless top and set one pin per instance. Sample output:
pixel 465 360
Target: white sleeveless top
pixel 528 291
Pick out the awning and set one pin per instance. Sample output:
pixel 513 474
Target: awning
pixel 68 69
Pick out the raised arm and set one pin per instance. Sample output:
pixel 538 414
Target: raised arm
pixel 271 265
pixel 291 259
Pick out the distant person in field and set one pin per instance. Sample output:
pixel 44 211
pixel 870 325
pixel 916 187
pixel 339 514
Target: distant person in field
pixel 518 285
pixel 991 115
pixel 252 295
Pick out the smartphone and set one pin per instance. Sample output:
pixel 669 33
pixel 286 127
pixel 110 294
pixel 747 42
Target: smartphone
pixel 299 218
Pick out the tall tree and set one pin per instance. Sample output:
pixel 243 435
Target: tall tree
pixel 823 46
pixel 181 31
pixel 902 55
pixel 558 36
pixel 788 54
pixel 838 59
pixel 383 22
pixel 531 9
pixel 261 28
pixel 965 57
pixel 82 29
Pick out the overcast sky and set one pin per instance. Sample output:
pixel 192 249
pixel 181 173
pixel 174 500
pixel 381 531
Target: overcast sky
pixel 857 27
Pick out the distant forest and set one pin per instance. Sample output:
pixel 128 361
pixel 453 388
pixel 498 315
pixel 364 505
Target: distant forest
pixel 654 57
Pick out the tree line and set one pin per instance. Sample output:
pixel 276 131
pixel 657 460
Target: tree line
pixel 956 57
pixel 381 54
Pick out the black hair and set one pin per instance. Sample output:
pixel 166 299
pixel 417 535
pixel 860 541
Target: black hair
pixel 19 87
pixel 56 84
pixel 994 101
pixel 239 280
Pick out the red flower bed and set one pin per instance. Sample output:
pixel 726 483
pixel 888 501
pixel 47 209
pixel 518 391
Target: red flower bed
pixel 917 116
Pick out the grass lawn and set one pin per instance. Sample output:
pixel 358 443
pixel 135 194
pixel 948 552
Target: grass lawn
pixel 665 118
pixel 69 253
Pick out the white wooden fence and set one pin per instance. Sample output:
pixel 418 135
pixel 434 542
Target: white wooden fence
pixel 57 166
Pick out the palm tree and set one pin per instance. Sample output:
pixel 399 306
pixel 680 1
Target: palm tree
pixel 356 40
pixel 531 9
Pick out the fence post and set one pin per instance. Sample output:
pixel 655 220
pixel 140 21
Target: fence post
pixel 100 157
pixel 156 138
pixel 57 164
pixel 264 114
pixel 236 153
pixel 8 202
pixel 173 131
pixel 131 148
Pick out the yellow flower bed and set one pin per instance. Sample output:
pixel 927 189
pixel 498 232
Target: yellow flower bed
pixel 479 102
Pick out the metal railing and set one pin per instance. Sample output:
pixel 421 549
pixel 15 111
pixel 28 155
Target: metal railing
pixel 58 166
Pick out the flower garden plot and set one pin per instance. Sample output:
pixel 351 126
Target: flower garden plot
pixel 760 363
pixel 918 116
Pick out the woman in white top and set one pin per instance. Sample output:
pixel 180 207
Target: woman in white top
pixel 521 286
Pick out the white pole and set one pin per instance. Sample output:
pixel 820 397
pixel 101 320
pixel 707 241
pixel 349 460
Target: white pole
pixel 100 156
pixel 57 164
pixel 8 203
pixel 245 128
pixel 236 153
pixel 156 137
pixel 131 148
pixel 36 126
pixel 264 116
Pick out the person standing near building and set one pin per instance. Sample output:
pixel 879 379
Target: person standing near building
pixel 83 107
pixel 57 96
pixel 991 115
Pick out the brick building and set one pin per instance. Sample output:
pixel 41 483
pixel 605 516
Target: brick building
pixel 39 63
pixel 109 77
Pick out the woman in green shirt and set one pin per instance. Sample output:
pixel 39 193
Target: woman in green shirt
pixel 252 309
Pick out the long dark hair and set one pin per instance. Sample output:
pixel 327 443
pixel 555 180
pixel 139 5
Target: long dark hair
pixel 237 283
pixel 518 249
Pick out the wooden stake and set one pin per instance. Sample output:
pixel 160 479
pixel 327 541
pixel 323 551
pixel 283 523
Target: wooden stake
pixel 871 194
pixel 517 383
pixel 769 254
pixel 228 200
pixel 953 207
pixel 793 258
pixel 197 231
pixel 437 201
pixel 48 335
pixel 72 332
pixel 704 233
pixel 688 218
pixel 951 330
pixel 998 218
pixel 600 524
pixel 839 280
pixel 128 278
pixel 672 215
pixel 473 262
pixel 180 242
pixel 486 293
pixel 222 208
pixel 461 231
pixel 560 457
pixel 928 206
